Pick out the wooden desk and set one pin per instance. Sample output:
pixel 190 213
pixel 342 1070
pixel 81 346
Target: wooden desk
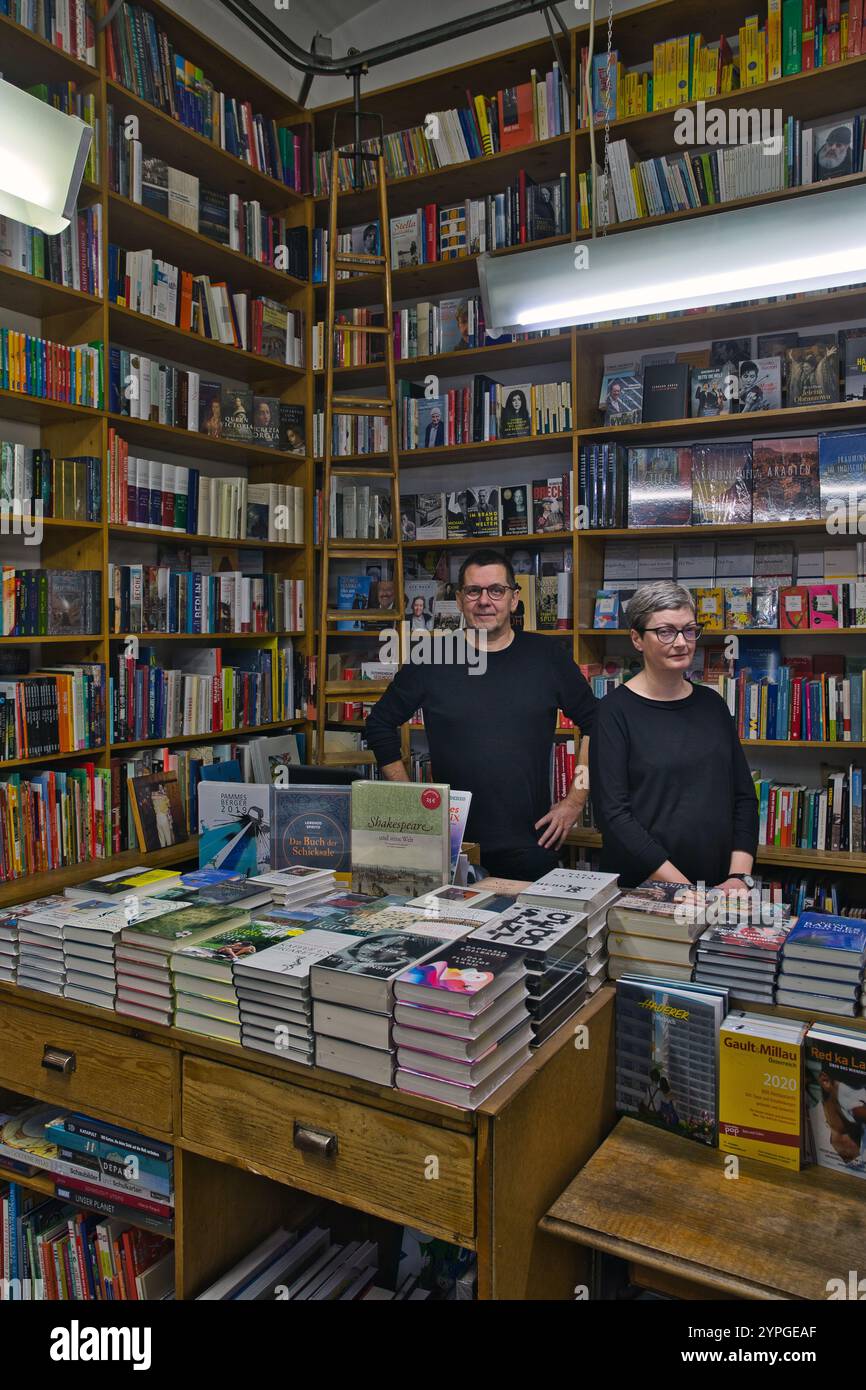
pixel 233 1117
pixel 664 1204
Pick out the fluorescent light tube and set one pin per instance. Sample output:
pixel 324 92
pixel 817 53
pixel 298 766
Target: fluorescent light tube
pixel 42 157
pixel 813 242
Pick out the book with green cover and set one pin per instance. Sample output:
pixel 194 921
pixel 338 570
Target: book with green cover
pixel 213 957
pixel 187 927
pixel 400 837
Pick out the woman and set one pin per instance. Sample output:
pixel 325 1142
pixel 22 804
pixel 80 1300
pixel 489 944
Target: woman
pixel 671 787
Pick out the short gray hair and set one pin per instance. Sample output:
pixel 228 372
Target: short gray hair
pixel 655 598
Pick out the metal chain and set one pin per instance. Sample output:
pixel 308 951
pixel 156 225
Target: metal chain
pixel 607 116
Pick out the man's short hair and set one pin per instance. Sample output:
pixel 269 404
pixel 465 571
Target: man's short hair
pixel 656 598
pixel 487 557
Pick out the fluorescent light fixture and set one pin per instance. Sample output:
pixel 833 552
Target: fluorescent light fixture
pixel 42 157
pixel 813 242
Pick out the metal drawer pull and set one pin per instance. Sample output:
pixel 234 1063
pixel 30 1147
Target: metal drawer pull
pixel 315 1141
pixel 54 1059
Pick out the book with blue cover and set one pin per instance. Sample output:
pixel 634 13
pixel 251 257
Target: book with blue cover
pixel 841 470
pixel 312 825
pixel 819 936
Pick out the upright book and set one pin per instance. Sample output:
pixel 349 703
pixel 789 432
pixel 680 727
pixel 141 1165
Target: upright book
pixel 311 825
pixel 401 839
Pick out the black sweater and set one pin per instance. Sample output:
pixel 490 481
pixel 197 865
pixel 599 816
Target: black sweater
pixel 490 734
pixel 669 780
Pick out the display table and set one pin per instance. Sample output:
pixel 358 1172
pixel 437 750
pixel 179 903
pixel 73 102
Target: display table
pixel 666 1205
pixel 244 1129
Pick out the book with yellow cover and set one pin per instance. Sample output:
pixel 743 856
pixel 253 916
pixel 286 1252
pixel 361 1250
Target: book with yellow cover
pixel 761 1089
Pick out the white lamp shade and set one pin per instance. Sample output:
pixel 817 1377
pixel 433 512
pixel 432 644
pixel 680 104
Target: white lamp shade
pixel 42 157
pixel 812 242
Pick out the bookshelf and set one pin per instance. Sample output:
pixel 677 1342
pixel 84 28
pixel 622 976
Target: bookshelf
pixel 577 353
pixel 71 316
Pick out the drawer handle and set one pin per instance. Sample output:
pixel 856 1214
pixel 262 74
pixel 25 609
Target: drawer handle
pixel 55 1059
pixel 315 1141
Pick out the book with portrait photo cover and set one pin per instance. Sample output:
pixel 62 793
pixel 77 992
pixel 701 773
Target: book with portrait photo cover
pixel 157 810
pixel 812 371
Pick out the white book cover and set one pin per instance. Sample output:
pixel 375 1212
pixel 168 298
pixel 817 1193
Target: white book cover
pixel 293 957
pixel 583 885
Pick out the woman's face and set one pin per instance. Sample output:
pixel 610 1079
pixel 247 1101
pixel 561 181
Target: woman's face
pixel 662 659
pixel 418 607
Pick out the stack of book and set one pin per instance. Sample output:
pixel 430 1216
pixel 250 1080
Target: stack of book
pixel 9 944
pixel 822 964
pixel 205 996
pixel 273 992
pixel 597 959
pixel 552 944
pixel 88 928
pixel 40 959
pixel 133 1173
pixel 461 1022
pixel 572 890
pixel 144 977
pixel 292 887
pixel 651 931
pixel 743 957
pixel 353 993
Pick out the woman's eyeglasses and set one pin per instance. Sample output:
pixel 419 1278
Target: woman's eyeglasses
pixel 668 635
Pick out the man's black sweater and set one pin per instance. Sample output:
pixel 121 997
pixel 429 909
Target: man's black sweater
pixel 669 780
pixel 490 734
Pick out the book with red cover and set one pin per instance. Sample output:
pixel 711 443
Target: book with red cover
pixel 794 606
pixel 516 123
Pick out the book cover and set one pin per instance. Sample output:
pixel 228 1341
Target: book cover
pixel 234 826
pixel 721 484
pixel 842 471
pixel 236 407
pixel 292 428
pixel 483 517
pixel 210 409
pixel 265 428
pixel 408 516
pixel 311 825
pixel 794 606
pixel 400 837
pixel 430 516
pixel 515 416
pixel 785 479
pixel 726 354
pixel 823 605
pixel 457 507
pixel 237 943
pixel 835 149
pixel 621 398
pixel 406 240
pixel 855 368
pixel 539 934
pixel 514 502
pixel 659 486
pixel 665 391
pixel 812 371
pixel 353 592
pixel 713 391
pixel 835 1089
pixel 760 384
pixel 199 921
pixel 432 415
pixel 548 513
pixel 760 1117
pixel 820 935
pixel 383 955
pixel 453 325
pixel 606 613
pixel 290 960
pixel 464 969
pixel 157 809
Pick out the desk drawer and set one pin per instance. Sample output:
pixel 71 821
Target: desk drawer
pixel 378 1162
pixel 126 1078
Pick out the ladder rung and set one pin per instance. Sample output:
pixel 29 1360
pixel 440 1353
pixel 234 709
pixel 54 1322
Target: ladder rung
pixel 333 689
pixel 358 260
pixel 360 328
pixel 340 615
pixel 346 758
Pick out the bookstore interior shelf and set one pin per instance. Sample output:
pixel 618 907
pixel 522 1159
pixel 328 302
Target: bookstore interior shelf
pixel 186 538
pixel 741 632
pixel 745 528
pixel 801 419
pixel 192 636
pixel 460 542
pixel 458 453
pixel 132 223
pixel 36 410
pixel 34 1183
pixel 149 335
pixel 216 734
pixel 9 764
pixel 28 294
pixel 534 352
pixel 28 58
pixel 194 443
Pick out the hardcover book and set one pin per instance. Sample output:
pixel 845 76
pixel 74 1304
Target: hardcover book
pixel 665 391
pixel 293 428
pixel 311 825
pixel 713 391
pixel 464 978
pixel 515 417
pixel 157 809
pixel 621 398
pixel 210 409
pixel 842 471
pixel 363 973
pixel 187 926
pixel 213 956
pixel 430 516
pixel 548 510
pixel 515 510
pixel 758 1119
pixel 812 371
pixel 234 826
pixel 400 837
pixel 785 480
pixel 835 1090
pixel 760 384
pixel 855 368
pixel 265 428
pixel 721 484
pixel 659 486
pixel 483 518
pixel 539 935
pixel 236 407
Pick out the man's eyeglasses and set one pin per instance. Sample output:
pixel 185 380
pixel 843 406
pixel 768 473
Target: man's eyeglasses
pixel 668 635
pixel 495 591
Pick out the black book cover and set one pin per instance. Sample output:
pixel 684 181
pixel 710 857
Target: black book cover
pixel 665 391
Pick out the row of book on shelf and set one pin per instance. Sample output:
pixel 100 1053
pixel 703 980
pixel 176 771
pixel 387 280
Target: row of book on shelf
pixel 515 116
pixel 72 258
pixel 718 608
pixel 483 411
pixel 49 370
pixel 161 598
pixel 793 155
pixel 227 218
pixel 69 27
pixel 797 36
pixel 37 483
pixel 520 509
pixel 148 493
pixel 141 57
pixel 788 369
pixel 801 478
pixel 420 330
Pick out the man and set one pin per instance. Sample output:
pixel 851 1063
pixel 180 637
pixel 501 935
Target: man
pixel 434 435
pixel 490 728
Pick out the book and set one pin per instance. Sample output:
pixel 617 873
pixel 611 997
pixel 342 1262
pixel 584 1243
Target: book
pixel 400 837
pixel 607 609
pixel 835 1094
pixel 835 149
pixel 842 472
pixel 548 505
pixel 760 384
pixel 311 825
pixel 187 926
pixel 721 484
pixel 362 975
pixel 292 428
pixel 659 486
pixel 157 809
pixel 759 1116
pixel 284 967
pixel 135 882
pixel 812 371
pixel 466 976
pixel 828 937
pixel 621 397
pixel 785 479
pixel 265 424
pixel 713 391
pixel 855 368
pixel 515 418
pixel 514 502
pixel 236 411
pixel 539 935
pixel 574 890
pixel 665 391
pixel 234 826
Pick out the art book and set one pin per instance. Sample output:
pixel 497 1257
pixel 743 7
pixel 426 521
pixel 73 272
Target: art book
pixel 187 926
pixel 311 825
pixel 721 484
pixel 659 486
pixel 713 391
pixel 400 837
pixel 157 809
pixel 234 826
pixel 812 371
pixel 621 397
pixel 760 384
pixel 842 471
pixel 785 479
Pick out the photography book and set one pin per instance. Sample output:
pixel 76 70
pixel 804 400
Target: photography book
pixel 157 810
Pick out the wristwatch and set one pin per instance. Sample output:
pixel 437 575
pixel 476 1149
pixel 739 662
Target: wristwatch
pixel 747 879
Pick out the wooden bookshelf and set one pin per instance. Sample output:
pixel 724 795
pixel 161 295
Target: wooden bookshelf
pixel 152 337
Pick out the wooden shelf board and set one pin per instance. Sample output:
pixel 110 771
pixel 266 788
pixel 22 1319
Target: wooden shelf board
pixel 55 880
pixel 30 294
pixel 130 223
pixel 802 419
pixel 747 528
pixel 33 59
pixel 70 637
pixel 33 410
pixel 150 335
pixel 457 453
pixel 86 754
pixel 532 538
pixel 185 538
pixel 496 355
pixel 215 734
pixel 175 143
pixel 147 637
pixel 36 1182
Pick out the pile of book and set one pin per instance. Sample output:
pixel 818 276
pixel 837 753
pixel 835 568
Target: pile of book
pixel 145 982
pixel 743 955
pixel 296 886
pixel 822 964
pixel 273 992
pixel 575 964
pixel 652 931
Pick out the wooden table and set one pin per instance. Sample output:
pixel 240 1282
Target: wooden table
pixel 664 1204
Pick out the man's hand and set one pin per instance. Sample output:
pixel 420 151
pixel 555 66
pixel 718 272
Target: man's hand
pixel 558 821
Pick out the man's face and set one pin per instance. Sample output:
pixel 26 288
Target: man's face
pixel 435 416
pixel 490 615
pixel 385 593
pixel 831 155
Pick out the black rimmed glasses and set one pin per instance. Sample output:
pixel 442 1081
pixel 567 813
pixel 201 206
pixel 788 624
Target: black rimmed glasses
pixel 496 592
pixel 667 635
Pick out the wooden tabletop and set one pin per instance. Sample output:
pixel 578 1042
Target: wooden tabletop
pixel 665 1203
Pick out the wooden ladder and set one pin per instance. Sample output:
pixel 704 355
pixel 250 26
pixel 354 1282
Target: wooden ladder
pixel 378 267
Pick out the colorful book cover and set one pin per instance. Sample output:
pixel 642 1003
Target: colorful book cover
pixel 760 1118
pixel 311 826
pixel 400 837
pixel 855 368
pixel 738 605
pixel 200 921
pixel 837 936
pixel 823 605
pixel 515 510
pixel 465 968
pixel 237 943
pixel 721 484
pixel 621 398
pixel 836 1097
pixel 659 486
pixel 234 826
pixel 713 391
pixel 785 480
pixel 842 470
pixel 157 809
